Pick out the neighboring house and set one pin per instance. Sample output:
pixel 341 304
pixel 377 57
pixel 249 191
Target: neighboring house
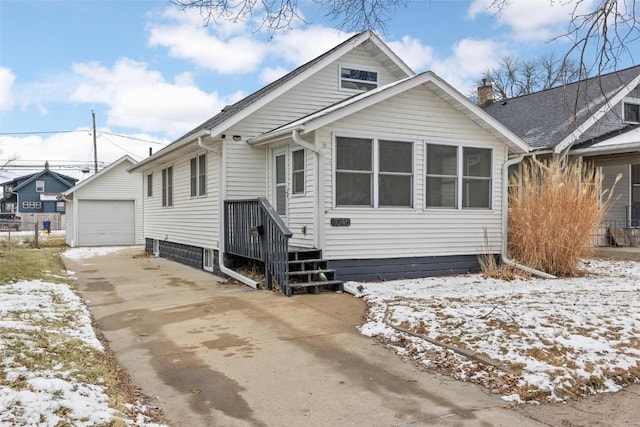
pixel 596 121
pixel 33 197
pixel 106 208
pixel 350 160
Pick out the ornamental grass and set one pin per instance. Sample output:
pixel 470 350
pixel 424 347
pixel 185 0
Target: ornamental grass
pixel 555 210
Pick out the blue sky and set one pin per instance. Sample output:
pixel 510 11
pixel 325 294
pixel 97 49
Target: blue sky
pixel 153 72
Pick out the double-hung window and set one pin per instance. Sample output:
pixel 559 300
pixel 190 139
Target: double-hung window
pixel 458 177
pixel 199 176
pixel 40 186
pixel 167 186
pixel 297 171
pixel 631 111
pixel 373 172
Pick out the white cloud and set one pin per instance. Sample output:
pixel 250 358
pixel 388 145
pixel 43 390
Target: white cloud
pixel 298 46
pixel 531 20
pixel 412 51
pixel 75 149
pixel 470 59
pixel 270 74
pixel 7 78
pixel 140 98
pixel 226 48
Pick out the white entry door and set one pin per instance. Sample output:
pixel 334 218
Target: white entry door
pixel 280 190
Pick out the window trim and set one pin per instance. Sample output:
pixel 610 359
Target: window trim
pixel 40 185
pixel 30 204
pixel 60 203
pixel 358 68
pixel 197 179
pixel 167 186
pixel 375 170
pixel 149 184
pixel 459 177
pixel 303 171
pixel 632 101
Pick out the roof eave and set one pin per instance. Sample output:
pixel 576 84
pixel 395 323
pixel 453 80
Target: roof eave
pixel 571 139
pixel 169 149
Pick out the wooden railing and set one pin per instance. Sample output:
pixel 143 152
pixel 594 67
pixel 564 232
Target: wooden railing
pixel 254 230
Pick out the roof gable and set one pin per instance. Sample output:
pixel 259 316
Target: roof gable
pixel 557 118
pixel 103 172
pixel 363 100
pixel 232 114
pixel 64 179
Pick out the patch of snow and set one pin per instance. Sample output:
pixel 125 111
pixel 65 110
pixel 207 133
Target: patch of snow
pixel 83 253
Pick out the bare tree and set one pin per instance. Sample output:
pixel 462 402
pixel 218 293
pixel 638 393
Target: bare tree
pixel 600 37
pixel 514 77
pixel 277 15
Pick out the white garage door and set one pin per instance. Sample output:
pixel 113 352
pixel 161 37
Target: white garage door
pixel 106 222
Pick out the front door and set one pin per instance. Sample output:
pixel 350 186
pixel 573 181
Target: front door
pixel 280 192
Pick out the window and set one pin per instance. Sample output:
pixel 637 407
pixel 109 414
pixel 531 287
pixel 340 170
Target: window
pixel 31 205
pixel 207 260
pixel 359 183
pixel 358 79
pixel 631 112
pixel 150 185
pixel 40 186
pixel 198 176
pixel 458 177
pixel 297 171
pixel 167 186
pixel 60 206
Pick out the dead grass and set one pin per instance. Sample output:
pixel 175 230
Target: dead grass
pixel 554 210
pixel 22 262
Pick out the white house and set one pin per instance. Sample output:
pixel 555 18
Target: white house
pixel 349 167
pixel 106 208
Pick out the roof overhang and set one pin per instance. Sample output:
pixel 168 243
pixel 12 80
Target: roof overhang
pixel 623 143
pixel 574 136
pixel 359 102
pixel 160 156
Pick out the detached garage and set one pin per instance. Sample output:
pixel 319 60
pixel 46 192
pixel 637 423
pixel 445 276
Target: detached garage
pixel 106 209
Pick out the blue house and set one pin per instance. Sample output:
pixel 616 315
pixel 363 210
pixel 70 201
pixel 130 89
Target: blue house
pixel 35 194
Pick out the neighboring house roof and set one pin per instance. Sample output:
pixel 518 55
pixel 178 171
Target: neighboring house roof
pixel 358 102
pixel 95 176
pixel 66 180
pixel 557 118
pixel 621 142
pixel 232 114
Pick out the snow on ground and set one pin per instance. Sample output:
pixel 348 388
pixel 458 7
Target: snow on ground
pixel 549 339
pixel 83 253
pixel 41 325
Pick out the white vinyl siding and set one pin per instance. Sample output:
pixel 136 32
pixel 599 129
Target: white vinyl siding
pixel 191 221
pixel 620 192
pixel 116 184
pixel 416 115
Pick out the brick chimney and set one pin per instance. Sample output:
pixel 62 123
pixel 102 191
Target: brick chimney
pixel 485 94
pixel 46 164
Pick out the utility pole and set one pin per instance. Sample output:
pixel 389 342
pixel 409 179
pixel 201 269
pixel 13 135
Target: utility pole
pixel 95 146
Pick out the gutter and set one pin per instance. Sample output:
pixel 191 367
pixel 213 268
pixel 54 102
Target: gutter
pixel 170 148
pixel 505 220
pixel 223 192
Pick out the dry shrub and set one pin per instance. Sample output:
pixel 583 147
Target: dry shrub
pixel 554 211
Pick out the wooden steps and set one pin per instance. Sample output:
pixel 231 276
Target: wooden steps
pixel 308 271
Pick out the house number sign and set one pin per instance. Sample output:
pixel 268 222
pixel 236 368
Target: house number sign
pixel 340 222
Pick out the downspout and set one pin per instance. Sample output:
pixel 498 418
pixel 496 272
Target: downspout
pixel 505 222
pixel 316 188
pixel 223 193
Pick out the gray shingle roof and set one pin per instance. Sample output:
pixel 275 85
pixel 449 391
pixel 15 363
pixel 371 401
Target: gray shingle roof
pixel 544 119
pixel 230 110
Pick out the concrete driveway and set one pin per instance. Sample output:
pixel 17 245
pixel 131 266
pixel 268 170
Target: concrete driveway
pixel 215 354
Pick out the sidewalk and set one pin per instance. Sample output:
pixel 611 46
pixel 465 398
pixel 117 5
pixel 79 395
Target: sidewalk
pixel 224 355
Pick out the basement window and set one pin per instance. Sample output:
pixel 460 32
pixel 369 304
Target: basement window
pixel 207 260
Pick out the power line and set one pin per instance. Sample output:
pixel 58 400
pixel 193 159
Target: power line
pixel 43 132
pixel 134 138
